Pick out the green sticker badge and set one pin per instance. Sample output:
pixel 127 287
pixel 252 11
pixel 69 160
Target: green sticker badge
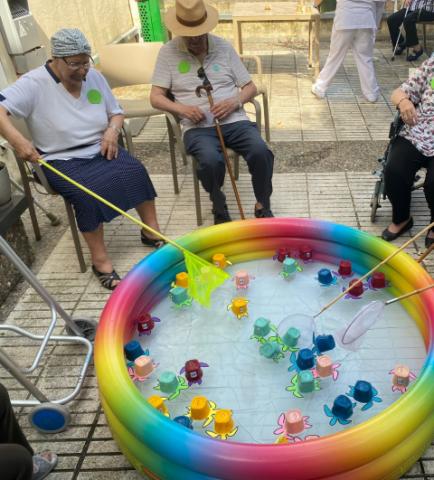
pixel 94 96
pixel 216 67
pixel 184 66
pixel 432 83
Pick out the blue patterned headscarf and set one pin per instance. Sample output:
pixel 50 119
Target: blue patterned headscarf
pixel 68 42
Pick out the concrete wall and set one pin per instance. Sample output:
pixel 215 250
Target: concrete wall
pixel 100 20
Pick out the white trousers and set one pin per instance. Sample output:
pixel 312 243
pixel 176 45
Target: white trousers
pixel 362 43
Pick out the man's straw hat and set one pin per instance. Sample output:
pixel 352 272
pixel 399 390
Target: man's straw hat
pixel 191 18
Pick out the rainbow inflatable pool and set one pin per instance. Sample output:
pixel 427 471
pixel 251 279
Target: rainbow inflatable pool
pixel 383 447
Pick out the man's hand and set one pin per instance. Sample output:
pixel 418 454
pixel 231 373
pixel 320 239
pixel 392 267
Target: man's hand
pixel 109 144
pixel 26 151
pixel 408 112
pixel 222 109
pixel 194 114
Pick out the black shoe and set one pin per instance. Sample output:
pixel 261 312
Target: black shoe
pixel 428 240
pixel 400 48
pixel 389 236
pixel 414 56
pixel 263 213
pixel 221 216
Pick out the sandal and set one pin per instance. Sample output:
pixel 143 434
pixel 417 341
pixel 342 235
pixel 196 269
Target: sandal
pixel 106 279
pixel 43 464
pixel 151 242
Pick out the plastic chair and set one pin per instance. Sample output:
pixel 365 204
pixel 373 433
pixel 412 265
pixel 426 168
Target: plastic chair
pixel 262 92
pixel 128 64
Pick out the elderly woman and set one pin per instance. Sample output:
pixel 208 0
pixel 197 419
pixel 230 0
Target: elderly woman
pixel 413 149
pixel 75 122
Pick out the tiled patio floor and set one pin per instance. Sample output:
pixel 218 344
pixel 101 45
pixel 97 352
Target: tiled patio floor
pixel 86 449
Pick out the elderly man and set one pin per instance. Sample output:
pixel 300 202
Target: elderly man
pixel 176 73
pixel 354 26
pixel 418 11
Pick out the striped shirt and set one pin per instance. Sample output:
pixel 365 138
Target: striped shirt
pixel 176 70
pixel 427 5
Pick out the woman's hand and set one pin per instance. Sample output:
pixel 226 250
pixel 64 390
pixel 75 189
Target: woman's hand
pixel 408 112
pixel 109 144
pixel 25 150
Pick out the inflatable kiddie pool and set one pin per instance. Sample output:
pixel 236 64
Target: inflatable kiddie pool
pixel 383 447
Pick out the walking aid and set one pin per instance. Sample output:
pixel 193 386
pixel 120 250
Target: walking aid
pixel 47 416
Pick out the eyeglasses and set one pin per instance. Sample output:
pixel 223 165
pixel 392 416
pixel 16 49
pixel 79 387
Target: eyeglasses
pixel 75 66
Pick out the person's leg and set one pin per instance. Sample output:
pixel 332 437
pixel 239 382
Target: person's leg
pixel 428 188
pixel 10 431
pixel 16 462
pixel 148 214
pixel 411 31
pixel 244 138
pixel 394 21
pixel 403 163
pixel 204 145
pixel 339 44
pixel 363 50
pixel 98 252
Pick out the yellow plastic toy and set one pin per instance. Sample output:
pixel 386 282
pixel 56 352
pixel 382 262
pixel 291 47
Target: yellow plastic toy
pixel 158 403
pixel 202 409
pixel 223 425
pixel 239 307
pixel 220 260
pixel 181 279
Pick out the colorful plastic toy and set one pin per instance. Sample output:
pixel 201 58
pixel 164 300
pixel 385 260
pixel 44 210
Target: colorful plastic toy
pixel 242 280
pixel 291 423
pixel 220 260
pixel 290 338
pixel 143 367
pixel 290 267
pixel 377 281
pixel 306 253
pixel 294 388
pixel 146 323
pixel 224 426
pixel 239 307
pixel 357 288
pixel 193 371
pixel 305 359
pixel 179 297
pixel 133 350
pixel 345 269
pixel 306 381
pixel 158 403
pixel 364 392
pixel 281 254
pixel 341 411
pixel 171 384
pixel 324 343
pixel 201 409
pixel 271 350
pixel 181 280
pixel 184 421
pixel 262 327
pixel 326 278
pixel 402 376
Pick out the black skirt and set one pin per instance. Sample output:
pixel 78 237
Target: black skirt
pixel 122 181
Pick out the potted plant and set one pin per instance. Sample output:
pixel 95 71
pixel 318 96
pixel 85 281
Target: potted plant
pixel 5 185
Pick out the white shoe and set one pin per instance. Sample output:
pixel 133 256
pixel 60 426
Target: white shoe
pixel 371 98
pixel 318 93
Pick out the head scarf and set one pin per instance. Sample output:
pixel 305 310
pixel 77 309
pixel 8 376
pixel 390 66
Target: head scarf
pixel 68 42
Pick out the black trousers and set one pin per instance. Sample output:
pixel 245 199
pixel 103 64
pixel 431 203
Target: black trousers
pixel 395 20
pixel 15 451
pixel 403 163
pixel 244 138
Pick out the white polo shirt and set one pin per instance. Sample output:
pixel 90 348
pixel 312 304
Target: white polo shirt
pixel 62 126
pixel 176 69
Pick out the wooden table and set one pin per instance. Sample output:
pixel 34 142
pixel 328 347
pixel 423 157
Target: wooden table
pixel 290 11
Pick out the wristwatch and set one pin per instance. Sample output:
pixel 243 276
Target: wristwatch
pixel 115 128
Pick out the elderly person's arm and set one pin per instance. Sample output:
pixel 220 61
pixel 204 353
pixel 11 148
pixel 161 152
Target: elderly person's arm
pixel 160 100
pixel 23 147
pixel 109 141
pixel 411 92
pixel 225 107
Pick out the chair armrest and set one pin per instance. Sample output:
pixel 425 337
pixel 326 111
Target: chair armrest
pixel 175 130
pixel 257 61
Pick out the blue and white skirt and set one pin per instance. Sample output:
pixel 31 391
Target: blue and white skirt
pixel 122 181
